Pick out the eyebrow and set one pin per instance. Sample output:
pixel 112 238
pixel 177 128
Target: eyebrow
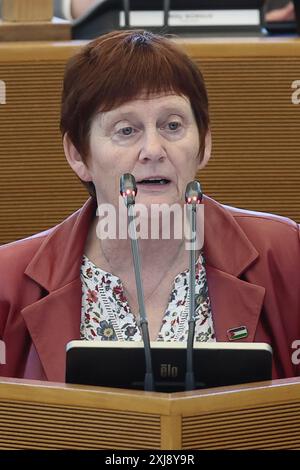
pixel 131 114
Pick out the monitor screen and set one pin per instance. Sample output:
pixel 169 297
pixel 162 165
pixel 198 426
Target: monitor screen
pixel 122 364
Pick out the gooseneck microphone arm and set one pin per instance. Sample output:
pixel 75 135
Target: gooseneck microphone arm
pixel 166 12
pixel 126 6
pixel 128 191
pixel 193 196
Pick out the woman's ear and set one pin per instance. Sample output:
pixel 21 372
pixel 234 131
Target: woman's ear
pixel 75 160
pixel 207 151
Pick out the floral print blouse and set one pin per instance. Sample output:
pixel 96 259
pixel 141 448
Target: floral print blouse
pixel 106 315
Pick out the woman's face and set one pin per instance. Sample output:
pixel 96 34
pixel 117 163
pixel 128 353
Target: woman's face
pixel 153 139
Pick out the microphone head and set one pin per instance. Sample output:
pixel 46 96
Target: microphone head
pixel 193 193
pixel 128 188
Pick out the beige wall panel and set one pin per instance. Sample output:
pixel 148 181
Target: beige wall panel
pixel 255 125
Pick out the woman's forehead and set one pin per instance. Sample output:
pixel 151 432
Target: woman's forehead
pixel 157 102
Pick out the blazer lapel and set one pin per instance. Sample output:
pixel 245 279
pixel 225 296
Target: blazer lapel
pixel 235 303
pixel 52 322
pixel 54 319
pixel 229 253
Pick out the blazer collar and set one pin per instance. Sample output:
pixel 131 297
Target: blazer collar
pixel 54 320
pixel 58 260
pixel 229 253
pixel 226 245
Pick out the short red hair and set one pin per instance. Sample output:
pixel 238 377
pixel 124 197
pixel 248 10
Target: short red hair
pixel 118 67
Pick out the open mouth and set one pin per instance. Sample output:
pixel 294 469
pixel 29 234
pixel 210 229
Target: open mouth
pixel 155 181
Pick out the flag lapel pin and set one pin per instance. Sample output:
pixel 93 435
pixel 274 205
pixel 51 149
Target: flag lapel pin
pixel 237 333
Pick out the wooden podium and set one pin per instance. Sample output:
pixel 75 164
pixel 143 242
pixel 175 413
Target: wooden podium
pixel 44 415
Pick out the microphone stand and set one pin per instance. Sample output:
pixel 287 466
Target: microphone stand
pixel 166 12
pixel 128 191
pixel 193 196
pixel 126 6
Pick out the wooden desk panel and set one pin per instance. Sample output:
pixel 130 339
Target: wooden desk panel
pixel 256 144
pixel 38 189
pixel 45 415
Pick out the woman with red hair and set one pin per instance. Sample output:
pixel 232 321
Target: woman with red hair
pixel 134 102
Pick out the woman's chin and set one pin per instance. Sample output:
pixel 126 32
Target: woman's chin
pixel 158 199
pixel 155 194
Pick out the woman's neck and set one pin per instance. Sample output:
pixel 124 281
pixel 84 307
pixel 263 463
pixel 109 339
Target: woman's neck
pixel 115 255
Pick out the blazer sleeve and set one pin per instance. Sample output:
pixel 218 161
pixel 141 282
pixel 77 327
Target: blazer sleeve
pixel 4 309
pixel 17 291
pixel 4 298
pixel 5 303
pixel 4 315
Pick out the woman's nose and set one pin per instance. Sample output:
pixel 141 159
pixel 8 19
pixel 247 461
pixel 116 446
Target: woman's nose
pixel 152 147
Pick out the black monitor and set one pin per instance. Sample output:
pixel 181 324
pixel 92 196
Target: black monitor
pixel 121 364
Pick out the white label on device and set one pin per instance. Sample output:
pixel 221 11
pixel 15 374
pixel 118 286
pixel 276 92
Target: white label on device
pixel 193 18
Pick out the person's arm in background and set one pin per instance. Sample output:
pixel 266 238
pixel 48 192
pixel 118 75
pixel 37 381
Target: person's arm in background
pixel 72 9
pixel 279 11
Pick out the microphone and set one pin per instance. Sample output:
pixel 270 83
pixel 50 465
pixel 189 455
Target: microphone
pixel 128 191
pixel 193 196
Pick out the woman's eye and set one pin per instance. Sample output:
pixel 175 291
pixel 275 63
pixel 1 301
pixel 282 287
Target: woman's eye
pixel 174 125
pixel 126 131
